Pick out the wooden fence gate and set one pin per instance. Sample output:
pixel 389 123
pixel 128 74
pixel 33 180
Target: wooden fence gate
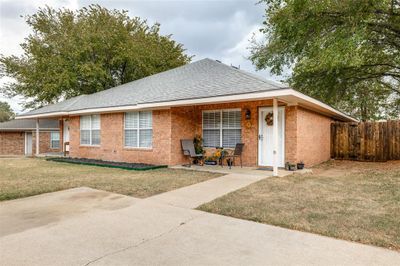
pixel 366 141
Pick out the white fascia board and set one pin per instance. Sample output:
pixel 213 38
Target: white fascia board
pixel 44 115
pixel 51 129
pixel 200 101
pixel 189 102
pixel 321 104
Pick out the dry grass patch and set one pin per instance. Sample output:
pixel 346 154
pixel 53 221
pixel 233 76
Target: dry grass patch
pixel 23 177
pixel 348 200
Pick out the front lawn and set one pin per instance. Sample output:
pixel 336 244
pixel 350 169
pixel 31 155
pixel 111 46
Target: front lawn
pixel 23 177
pixel 348 200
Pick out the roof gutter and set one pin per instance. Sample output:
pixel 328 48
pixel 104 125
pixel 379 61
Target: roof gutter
pixel 28 129
pixel 198 101
pixel 324 105
pixel 43 115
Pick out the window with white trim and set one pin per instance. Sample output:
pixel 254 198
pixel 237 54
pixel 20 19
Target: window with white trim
pixel 54 140
pixel 90 130
pixel 222 128
pixel 139 129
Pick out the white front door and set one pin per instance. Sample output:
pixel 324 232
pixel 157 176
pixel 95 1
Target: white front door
pixel 265 137
pixel 66 131
pixel 28 143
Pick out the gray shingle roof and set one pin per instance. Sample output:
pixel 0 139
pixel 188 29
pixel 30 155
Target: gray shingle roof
pixel 29 124
pixel 201 79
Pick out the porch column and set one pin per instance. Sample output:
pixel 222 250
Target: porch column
pixel 37 136
pixel 275 137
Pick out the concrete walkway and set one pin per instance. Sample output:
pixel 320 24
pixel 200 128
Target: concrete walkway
pixel 110 229
pixel 197 194
pixel 200 193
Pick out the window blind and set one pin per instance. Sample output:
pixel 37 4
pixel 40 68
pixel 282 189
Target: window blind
pixel 222 128
pixel 139 129
pixel 90 129
pixel 55 140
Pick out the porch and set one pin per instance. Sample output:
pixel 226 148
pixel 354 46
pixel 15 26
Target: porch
pixel 259 125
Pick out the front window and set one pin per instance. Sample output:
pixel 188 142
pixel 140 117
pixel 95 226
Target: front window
pixel 90 129
pixel 139 129
pixel 222 128
pixel 55 140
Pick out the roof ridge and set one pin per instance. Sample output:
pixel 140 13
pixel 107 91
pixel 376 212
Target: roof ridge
pixel 77 98
pixel 152 75
pixel 267 81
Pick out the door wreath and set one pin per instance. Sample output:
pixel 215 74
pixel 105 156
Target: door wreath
pixel 269 119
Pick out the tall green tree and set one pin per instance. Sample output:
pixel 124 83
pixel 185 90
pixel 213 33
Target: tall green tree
pixel 346 53
pixel 85 51
pixel 6 113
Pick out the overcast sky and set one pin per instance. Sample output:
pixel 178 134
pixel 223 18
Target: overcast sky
pixel 207 28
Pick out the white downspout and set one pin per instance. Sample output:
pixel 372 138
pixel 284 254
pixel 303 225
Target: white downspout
pixel 275 137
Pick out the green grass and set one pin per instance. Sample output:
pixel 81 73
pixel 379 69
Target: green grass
pixel 347 200
pixel 23 177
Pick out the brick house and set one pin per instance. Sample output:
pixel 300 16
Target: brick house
pixel 144 120
pixel 16 136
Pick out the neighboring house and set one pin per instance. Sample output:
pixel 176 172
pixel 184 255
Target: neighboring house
pixel 17 136
pixel 144 120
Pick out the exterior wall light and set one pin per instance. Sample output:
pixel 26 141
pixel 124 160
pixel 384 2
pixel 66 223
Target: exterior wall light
pixel 248 114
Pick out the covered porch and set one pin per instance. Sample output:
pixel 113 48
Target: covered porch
pixel 61 139
pixel 259 125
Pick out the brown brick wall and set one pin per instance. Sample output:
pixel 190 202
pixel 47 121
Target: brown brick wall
pixel 183 121
pixel 12 143
pixel 307 135
pixel 44 143
pixel 313 137
pixel 112 140
pixel 291 134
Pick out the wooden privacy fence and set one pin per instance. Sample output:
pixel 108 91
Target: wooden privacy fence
pixel 366 141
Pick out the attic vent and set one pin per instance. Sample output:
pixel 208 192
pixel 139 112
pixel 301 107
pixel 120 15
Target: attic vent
pixel 235 67
pixel 218 61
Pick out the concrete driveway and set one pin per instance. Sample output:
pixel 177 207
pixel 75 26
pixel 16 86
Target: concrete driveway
pixel 89 227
